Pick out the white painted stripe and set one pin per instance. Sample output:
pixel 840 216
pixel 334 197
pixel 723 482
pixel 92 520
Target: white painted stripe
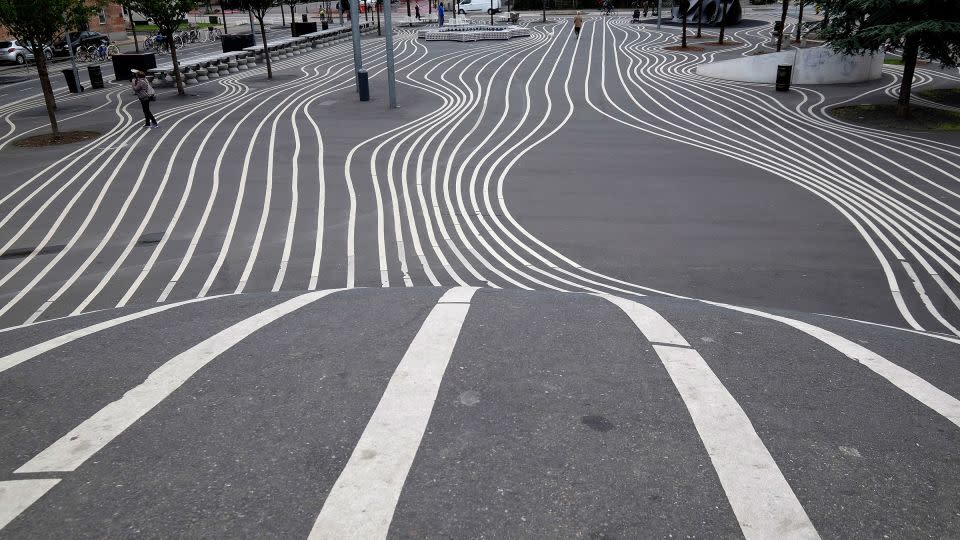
pixel 760 496
pixel 17 495
pixel 21 356
pixel 89 437
pixel 362 502
pixel 915 386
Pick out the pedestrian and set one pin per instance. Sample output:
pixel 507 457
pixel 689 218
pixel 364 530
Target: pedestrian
pixel 577 24
pixel 417 9
pixel 440 13
pixel 145 93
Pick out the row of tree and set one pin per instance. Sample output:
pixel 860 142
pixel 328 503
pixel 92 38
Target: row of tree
pixel 40 22
pixel 930 28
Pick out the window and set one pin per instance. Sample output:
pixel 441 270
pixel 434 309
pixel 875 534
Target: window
pixel 102 15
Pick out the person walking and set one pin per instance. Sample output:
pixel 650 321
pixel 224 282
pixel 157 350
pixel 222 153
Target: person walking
pixel 417 10
pixel 145 93
pixel 440 13
pixel 577 24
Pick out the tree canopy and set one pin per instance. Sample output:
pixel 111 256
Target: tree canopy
pixel 861 26
pixel 913 27
pixel 259 8
pixel 167 16
pixel 38 23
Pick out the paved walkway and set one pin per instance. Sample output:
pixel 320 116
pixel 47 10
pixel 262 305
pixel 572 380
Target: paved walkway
pixel 583 298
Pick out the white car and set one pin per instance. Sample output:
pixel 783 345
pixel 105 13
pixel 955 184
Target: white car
pixel 479 6
pixel 14 51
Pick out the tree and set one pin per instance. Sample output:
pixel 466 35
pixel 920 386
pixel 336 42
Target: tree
pixel 167 15
pixel 292 4
pixel 39 22
pixel 259 8
pixel 684 11
pixel 699 17
pixel 800 5
pixel 931 27
pixel 723 20
pixel 783 24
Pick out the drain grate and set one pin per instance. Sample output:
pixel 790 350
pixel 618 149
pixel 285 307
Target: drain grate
pixel 20 253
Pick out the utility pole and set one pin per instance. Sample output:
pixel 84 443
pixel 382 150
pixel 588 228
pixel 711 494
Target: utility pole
pixel 355 29
pixel 391 70
pixel 658 14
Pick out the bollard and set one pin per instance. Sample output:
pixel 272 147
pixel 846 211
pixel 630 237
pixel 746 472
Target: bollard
pixel 363 83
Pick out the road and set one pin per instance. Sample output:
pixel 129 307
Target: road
pixel 568 288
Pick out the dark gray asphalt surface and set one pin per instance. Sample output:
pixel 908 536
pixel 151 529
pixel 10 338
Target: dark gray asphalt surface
pixel 554 419
pixel 555 416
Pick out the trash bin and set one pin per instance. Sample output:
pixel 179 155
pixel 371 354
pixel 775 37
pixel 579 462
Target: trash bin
pixel 303 18
pixel 96 76
pixel 784 73
pixel 72 83
pixel 324 25
pixel 300 28
pixel 213 19
pixel 237 42
pixel 364 83
pixel 123 63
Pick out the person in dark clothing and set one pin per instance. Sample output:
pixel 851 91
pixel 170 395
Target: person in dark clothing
pixel 440 13
pixel 145 93
pixel 417 10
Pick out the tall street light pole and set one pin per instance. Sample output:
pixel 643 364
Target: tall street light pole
pixel 391 69
pixel 355 29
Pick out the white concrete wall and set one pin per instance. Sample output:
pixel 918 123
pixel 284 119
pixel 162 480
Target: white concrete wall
pixel 816 65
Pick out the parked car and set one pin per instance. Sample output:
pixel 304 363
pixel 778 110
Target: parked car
pixel 481 6
pixel 19 52
pixel 84 39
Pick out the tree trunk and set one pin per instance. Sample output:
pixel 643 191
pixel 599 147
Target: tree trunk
pixel 408 8
pixel 723 20
pixel 283 17
pixel 176 65
pixel 133 28
pixel 683 17
pixel 293 18
pixel 800 4
pixel 543 5
pixel 910 51
pixel 48 98
pixel 783 24
pixel 699 18
pixel 266 51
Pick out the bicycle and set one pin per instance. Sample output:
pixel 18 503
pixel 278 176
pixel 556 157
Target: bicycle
pixel 82 55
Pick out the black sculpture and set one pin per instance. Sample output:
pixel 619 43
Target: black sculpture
pixel 712 12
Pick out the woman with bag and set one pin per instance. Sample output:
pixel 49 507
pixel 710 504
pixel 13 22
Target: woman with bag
pixel 145 93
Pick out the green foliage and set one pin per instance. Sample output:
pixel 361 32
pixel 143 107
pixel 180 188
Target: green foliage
pixel 859 26
pixel 167 15
pixel 39 22
pixel 259 8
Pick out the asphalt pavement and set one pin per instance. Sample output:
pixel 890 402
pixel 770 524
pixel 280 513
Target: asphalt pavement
pixel 568 288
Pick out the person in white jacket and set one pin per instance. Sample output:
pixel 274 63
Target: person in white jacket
pixel 145 93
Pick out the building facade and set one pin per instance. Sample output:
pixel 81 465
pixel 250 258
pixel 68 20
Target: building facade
pixel 111 19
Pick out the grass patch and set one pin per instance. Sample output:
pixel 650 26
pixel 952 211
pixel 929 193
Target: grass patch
pixel 885 117
pixel 893 61
pixel 946 96
pixel 47 139
pixel 153 27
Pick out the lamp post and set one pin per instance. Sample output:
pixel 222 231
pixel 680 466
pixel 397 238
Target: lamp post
pixel 391 69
